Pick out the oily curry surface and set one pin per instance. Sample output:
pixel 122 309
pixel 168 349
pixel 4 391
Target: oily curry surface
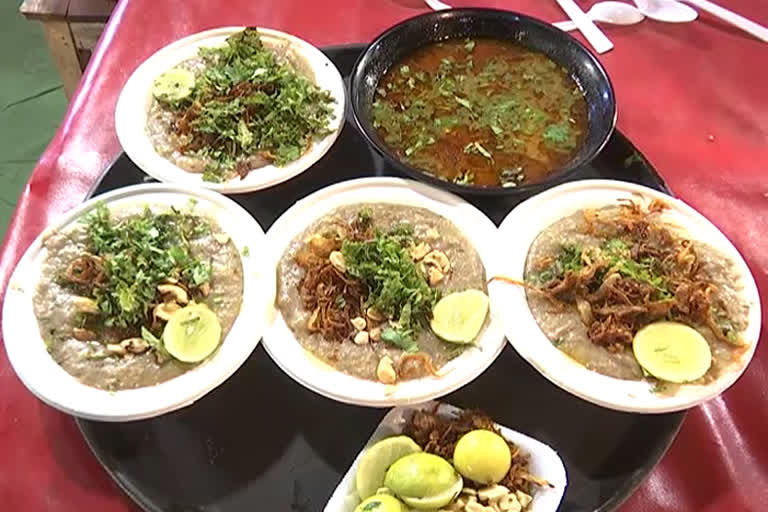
pixel 335 342
pixel 481 112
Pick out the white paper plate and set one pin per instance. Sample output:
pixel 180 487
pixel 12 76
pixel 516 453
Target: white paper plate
pixel 281 344
pixel 545 463
pixel 52 384
pixel 518 231
pixel 136 98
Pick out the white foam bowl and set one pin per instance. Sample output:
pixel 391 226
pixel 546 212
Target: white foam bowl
pixel 52 384
pixel 544 461
pixel 136 98
pixel 516 234
pixel 282 345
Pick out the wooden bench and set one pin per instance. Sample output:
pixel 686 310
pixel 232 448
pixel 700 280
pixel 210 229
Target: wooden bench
pixel 71 28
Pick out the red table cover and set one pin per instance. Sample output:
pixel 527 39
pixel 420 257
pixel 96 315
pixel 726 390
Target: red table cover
pixel 692 97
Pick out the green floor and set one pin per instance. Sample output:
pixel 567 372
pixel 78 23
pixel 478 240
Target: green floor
pixel 32 103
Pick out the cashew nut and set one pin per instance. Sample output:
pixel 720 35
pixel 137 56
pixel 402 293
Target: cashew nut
pixel 435 276
pixel 419 251
pixel 375 333
pixel 205 289
pixel 135 345
pixel 359 323
pixel 523 498
pixel 509 503
pixel 165 310
pixel 492 492
pixel 361 338
pixel 337 260
pixel 85 305
pixel 385 372
pixel 178 293
pixel 439 260
pixel 115 349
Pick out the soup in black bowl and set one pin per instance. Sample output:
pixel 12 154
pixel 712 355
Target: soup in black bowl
pixel 477 100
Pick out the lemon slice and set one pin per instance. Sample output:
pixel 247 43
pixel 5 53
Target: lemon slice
pixel 458 317
pixel 672 351
pixel 377 460
pixel 381 503
pixel 192 333
pixel 438 500
pixel 173 85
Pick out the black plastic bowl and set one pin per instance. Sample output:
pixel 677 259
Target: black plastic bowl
pixel 406 37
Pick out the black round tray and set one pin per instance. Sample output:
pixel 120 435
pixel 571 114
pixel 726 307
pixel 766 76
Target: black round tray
pixel 261 442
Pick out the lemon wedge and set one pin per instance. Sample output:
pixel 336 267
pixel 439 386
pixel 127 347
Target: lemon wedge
pixel 672 351
pixel 424 481
pixel 377 460
pixel 458 317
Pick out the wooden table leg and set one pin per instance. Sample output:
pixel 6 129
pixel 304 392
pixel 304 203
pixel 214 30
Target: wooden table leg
pixel 64 53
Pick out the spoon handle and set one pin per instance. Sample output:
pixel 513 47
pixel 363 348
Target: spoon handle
pixel 565 26
pixel 437 5
pixel 586 26
pixel 731 17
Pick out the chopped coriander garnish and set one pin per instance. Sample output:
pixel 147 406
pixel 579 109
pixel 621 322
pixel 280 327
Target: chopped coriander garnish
pixel 246 251
pixel 396 287
pixel 399 338
pixel 247 102
pixel 138 253
pixel 154 342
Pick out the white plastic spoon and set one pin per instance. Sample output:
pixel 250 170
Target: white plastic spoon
pixel 668 11
pixel 616 13
pixel 747 25
pixel 437 5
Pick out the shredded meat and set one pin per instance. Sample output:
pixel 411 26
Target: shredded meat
pixel 439 434
pixel 615 306
pixel 86 270
pixel 334 298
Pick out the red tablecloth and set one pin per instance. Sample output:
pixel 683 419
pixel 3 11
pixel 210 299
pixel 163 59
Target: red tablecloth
pixel 692 97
